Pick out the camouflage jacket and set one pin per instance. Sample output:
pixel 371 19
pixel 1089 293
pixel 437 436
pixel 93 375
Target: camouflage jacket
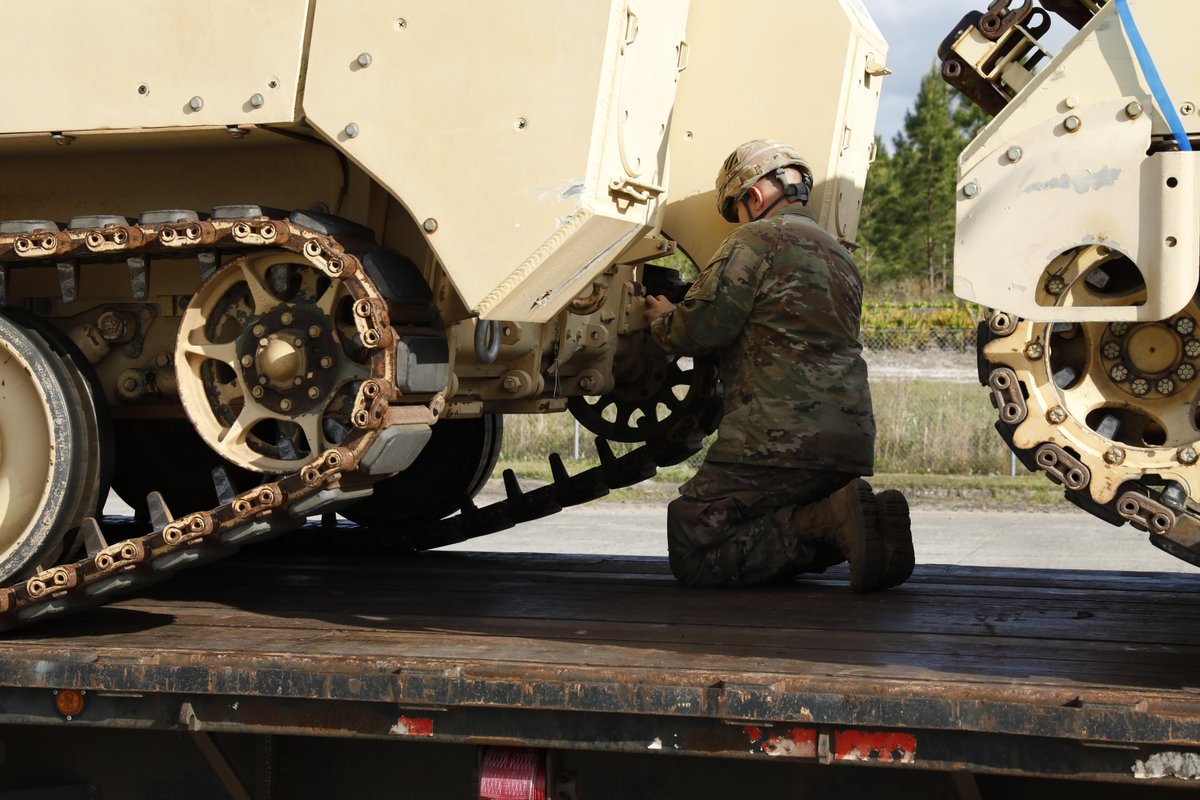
pixel 780 304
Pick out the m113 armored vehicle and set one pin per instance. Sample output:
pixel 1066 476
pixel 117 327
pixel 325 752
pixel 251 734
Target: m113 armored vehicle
pixel 264 261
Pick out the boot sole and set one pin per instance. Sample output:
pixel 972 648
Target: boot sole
pixel 895 526
pixel 870 564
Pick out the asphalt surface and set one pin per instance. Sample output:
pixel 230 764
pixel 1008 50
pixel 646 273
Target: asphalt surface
pixel 1066 539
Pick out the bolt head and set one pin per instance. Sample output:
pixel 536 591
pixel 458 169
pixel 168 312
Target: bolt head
pixel 1187 109
pixel 1133 110
pixel 1015 154
pixel 1072 123
pixel 1187 456
pixel 256 101
pixel 326 362
pixel 314 331
pixel 1114 455
pixel 1034 351
pixel 364 59
pixel 971 189
pixel 297 342
pixel 257 391
pixel 430 225
pixel 285 404
pixel 196 103
pixel 247 361
pixel 351 130
pixel 1056 415
pixel 314 392
pixel 286 318
pixel 258 330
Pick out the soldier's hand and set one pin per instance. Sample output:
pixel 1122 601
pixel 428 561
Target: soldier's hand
pixel 656 306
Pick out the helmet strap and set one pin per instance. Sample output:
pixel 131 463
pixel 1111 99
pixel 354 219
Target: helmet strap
pixel 794 192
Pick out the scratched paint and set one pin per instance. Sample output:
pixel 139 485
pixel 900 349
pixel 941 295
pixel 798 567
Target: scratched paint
pixel 414 726
pixel 799 743
pixel 1181 766
pixel 796 743
pixel 1080 183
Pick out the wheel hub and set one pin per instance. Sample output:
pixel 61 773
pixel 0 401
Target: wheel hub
pixel 289 357
pixel 1153 359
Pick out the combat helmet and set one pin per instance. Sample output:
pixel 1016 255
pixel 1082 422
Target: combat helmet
pixel 751 162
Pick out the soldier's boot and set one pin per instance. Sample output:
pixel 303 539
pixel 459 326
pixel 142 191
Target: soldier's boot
pixel 895 528
pixel 847 519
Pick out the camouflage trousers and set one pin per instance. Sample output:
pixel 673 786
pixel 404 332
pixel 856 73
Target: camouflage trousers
pixel 732 524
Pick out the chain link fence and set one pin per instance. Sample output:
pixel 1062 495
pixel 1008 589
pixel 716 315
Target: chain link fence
pixel 956 340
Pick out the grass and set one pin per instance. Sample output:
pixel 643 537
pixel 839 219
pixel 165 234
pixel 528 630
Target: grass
pixel 935 442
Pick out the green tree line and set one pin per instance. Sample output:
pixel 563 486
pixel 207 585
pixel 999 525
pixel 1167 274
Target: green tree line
pixel 907 224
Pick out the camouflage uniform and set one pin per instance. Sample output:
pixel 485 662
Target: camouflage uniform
pixel 780 304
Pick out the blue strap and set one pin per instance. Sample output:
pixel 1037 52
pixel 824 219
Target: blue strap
pixel 1157 88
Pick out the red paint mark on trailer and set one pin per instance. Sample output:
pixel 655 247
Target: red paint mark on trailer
pixel 754 733
pixel 883 747
pixel 414 726
pixel 798 743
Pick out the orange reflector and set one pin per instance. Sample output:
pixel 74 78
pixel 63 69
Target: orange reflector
pixel 69 702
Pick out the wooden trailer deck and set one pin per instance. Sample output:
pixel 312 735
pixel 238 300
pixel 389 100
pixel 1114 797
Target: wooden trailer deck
pixel 1010 671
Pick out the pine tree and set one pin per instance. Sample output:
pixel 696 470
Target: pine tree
pixel 909 205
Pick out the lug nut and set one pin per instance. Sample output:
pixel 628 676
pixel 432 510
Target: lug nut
pixel 1056 415
pixel 1187 456
pixel 257 391
pixel 297 381
pixel 314 392
pixel 247 361
pixel 1119 328
pixel 1111 351
pixel 326 362
pixel 1185 325
pixel 285 318
pixel 1114 455
pixel 258 330
pixel 1140 386
pixel 314 331
pixel 1119 373
pixel 285 405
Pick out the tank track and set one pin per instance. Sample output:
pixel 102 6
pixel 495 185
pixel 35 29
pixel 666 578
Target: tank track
pixel 680 439
pixel 1119 483
pixel 328 481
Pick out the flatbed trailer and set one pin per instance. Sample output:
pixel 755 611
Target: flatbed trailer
pixel 284 674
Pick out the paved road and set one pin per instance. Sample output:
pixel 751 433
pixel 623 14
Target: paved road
pixel 1067 539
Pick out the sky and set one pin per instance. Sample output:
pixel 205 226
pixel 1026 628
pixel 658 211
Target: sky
pixel 914 29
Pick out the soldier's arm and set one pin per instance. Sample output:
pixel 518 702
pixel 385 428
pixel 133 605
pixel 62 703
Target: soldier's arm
pixel 717 306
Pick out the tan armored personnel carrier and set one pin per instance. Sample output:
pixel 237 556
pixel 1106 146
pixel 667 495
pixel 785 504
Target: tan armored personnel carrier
pixel 263 261
pixel 1077 225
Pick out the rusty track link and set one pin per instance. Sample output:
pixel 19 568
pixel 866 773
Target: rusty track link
pixel 265 511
